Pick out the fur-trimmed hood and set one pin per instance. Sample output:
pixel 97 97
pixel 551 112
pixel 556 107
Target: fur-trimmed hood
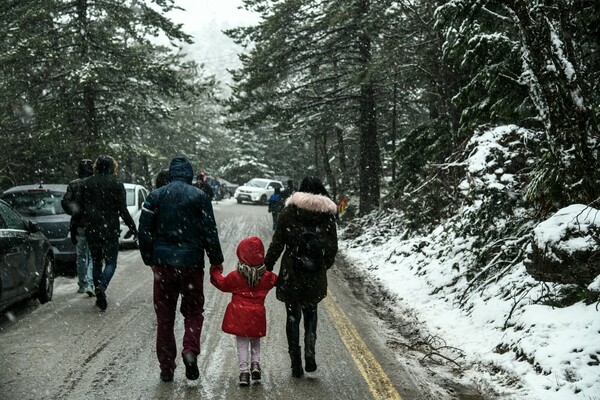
pixel 312 202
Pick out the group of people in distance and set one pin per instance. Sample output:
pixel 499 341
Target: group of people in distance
pixel 95 202
pixel 177 228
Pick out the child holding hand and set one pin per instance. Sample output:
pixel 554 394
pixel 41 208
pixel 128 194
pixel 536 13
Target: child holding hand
pixel 245 316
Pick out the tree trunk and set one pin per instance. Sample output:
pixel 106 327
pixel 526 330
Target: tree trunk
pixel 394 129
pixel 370 158
pixel 327 167
pixel 127 170
pixel 343 173
pixel 147 180
pixel 89 89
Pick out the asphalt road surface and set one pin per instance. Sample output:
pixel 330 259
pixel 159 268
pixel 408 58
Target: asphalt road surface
pixel 68 349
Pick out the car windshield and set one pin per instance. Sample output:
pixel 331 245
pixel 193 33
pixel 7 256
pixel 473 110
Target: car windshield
pixel 35 202
pixel 256 183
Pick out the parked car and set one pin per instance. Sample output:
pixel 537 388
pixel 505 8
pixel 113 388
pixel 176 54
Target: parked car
pixel 257 190
pixel 136 195
pixel 26 260
pixel 41 204
pixel 227 188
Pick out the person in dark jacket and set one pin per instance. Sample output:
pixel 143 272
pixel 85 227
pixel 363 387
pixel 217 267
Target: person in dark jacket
pixel 77 230
pixel 276 203
pixel 204 185
pixel 301 291
pixel 162 178
pixel 177 226
pixel 103 200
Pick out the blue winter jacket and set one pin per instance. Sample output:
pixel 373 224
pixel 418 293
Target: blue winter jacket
pixel 177 224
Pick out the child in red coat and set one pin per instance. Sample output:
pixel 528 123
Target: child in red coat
pixel 245 315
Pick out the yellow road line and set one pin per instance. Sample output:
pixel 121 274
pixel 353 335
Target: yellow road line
pixel 379 383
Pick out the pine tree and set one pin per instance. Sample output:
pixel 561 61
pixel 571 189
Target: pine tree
pixel 91 79
pixel 550 50
pixel 309 73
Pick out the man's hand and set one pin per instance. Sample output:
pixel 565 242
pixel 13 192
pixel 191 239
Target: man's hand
pixel 132 233
pixel 218 267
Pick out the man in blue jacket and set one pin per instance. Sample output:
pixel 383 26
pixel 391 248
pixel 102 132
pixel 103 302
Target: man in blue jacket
pixel 177 226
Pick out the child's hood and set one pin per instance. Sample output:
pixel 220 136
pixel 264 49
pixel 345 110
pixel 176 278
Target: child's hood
pixel 251 251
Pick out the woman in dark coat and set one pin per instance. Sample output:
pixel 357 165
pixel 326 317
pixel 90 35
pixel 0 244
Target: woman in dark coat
pixel 301 290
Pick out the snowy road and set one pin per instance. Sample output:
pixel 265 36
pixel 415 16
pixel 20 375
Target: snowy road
pixel 67 349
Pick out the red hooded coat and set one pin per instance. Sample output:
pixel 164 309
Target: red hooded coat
pixel 245 314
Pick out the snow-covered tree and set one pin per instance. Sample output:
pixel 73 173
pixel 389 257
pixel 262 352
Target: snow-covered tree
pixel 548 49
pixel 91 80
pixel 308 73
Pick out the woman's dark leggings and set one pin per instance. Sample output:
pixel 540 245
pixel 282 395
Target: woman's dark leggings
pixel 292 327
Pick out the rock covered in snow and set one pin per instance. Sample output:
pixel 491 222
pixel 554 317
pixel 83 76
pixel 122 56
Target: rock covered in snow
pixel 566 247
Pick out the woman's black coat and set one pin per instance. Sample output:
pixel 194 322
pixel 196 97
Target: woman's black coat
pixel 303 210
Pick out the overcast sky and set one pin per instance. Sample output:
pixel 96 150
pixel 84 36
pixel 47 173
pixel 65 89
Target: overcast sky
pixel 202 12
pixel 204 20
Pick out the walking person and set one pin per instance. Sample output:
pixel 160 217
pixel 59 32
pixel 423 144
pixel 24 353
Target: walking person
pixel 77 230
pixel 245 316
pixel 306 229
pixel 177 226
pixel 162 178
pixel 203 184
pixel 103 201
pixel 215 185
pixel 276 203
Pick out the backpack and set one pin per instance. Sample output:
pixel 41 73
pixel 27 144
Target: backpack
pixel 308 253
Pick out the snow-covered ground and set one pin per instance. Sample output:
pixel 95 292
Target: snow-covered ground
pixel 509 342
pixel 562 343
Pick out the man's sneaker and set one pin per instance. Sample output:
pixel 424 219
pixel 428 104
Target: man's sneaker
pixel 90 291
pixel 244 379
pixel 191 366
pixel 166 375
pixel 101 299
pixel 255 371
pixel 81 290
pixel 101 303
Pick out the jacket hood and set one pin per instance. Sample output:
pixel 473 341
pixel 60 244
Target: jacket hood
pixel 181 169
pixel 312 202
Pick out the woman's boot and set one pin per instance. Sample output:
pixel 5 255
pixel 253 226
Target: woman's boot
pixel 310 338
pixel 295 356
pixel 292 330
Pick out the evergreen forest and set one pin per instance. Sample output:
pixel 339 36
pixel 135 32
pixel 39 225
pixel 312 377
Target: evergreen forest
pixel 384 100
